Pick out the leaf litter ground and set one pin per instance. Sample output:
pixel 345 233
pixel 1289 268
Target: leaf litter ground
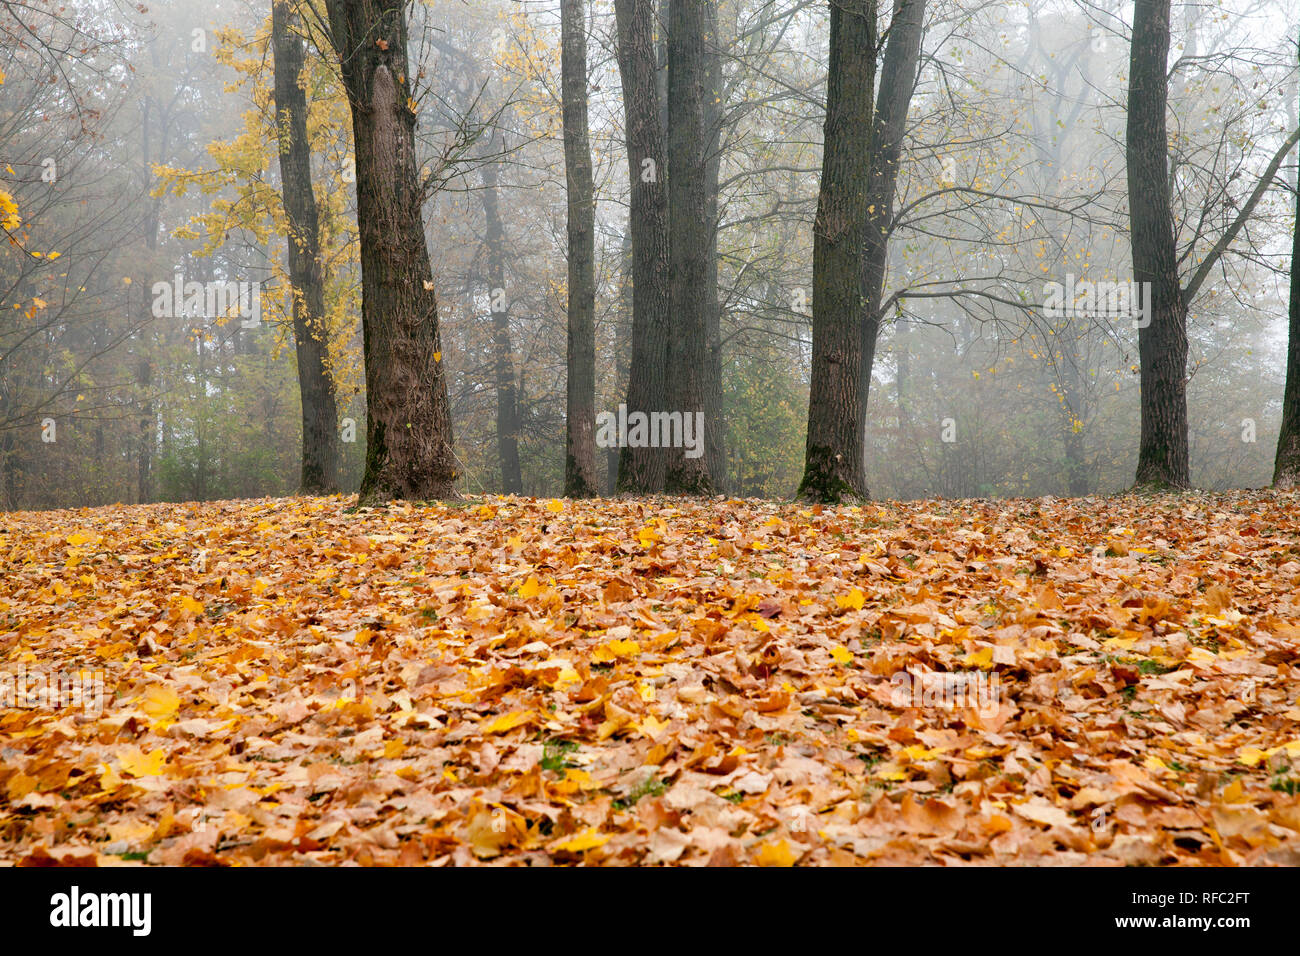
pixel 1102 681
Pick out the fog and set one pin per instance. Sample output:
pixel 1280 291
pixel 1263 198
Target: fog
pixel 147 337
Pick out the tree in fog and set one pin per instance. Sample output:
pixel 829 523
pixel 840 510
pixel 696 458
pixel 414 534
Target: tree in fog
pixel 833 466
pixel 408 420
pixel 580 432
pixel 688 236
pixel 642 469
pixel 311 334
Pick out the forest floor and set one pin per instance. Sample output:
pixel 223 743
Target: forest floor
pixel 508 680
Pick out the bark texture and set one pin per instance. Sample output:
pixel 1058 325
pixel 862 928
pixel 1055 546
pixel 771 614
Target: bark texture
pixel 580 430
pixel 408 421
pixel 1162 345
pixel 689 233
pixel 644 470
pixel 833 458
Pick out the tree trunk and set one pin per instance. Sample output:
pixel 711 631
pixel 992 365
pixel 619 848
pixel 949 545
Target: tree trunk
pixel 1286 470
pixel 833 463
pixel 622 351
pixel 715 452
pixel 580 432
pixel 315 385
pixel 508 422
pixel 688 232
pixel 1162 344
pixel 642 470
pixel 408 420
pixel 894 99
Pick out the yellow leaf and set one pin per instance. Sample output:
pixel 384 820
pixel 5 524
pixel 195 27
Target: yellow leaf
pixel 854 600
pixel 136 764
pixel 189 604
pixel 108 779
pixel 613 650
pixel 776 854
pixel 588 839
pixel 160 702
pixel 917 752
pixel 509 722
pixel 555 506
pixel 841 655
pixel 77 540
pixel 529 589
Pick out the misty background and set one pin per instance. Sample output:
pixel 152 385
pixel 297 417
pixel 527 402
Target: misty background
pixel 138 145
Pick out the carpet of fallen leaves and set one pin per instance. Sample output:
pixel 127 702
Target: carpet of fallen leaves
pixel 508 680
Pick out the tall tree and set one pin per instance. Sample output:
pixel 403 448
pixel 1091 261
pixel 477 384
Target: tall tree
pixel 408 421
pixel 315 383
pixel 833 456
pixel 688 233
pixel 894 98
pixel 642 470
pixel 1162 343
pixel 1286 469
pixel 580 429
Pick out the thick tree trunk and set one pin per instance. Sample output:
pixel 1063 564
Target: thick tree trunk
pixel 315 384
pixel 1162 345
pixel 688 231
pixel 1286 470
pixel 580 432
pixel 643 470
pixel 833 464
pixel 408 419
pixel 508 422
pixel 893 100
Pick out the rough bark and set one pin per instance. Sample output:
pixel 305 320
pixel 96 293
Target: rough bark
pixel 508 422
pixel 580 431
pixel 833 462
pixel 408 421
pixel 319 473
pixel 688 232
pixel 643 470
pixel 1162 345
pixel 894 98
